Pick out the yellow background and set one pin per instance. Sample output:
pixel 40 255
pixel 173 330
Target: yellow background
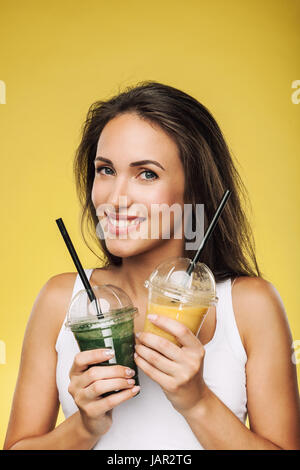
pixel 239 58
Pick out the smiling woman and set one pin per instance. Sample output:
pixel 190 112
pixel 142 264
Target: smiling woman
pixel 128 189
pixel 154 145
pixel 156 119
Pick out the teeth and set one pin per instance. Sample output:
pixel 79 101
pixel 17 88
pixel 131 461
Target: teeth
pixel 134 221
pixel 123 223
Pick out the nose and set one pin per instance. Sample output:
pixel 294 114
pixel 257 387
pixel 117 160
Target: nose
pixel 119 195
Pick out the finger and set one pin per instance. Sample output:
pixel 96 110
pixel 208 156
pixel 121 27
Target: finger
pixel 98 388
pixel 154 374
pixel 181 332
pixel 160 344
pixel 156 359
pixel 104 372
pixel 83 359
pixel 98 407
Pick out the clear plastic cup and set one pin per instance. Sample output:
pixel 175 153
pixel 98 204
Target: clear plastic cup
pixel 115 330
pixel 174 293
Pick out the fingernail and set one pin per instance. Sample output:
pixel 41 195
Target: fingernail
pixel 135 355
pixel 130 381
pixel 130 372
pixel 135 389
pixel 137 334
pixel 151 316
pixel 109 352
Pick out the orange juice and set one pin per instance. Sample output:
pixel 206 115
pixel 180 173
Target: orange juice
pixel 177 293
pixel 191 316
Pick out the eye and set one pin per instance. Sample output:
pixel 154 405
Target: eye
pixel 99 168
pixel 149 175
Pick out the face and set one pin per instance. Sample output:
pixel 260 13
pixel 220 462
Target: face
pixel 138 178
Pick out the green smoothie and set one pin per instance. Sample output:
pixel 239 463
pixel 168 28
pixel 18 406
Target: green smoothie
pixel 119 337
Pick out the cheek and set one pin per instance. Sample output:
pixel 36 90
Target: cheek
pixel 98 195
pixel 166 194
pixel 98 200
pixel 95 193
pixel 162 200
pixel 169 196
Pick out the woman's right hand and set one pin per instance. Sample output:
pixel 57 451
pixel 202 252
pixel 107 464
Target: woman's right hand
pixel 88 383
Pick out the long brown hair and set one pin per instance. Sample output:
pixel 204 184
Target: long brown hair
pixel 208 166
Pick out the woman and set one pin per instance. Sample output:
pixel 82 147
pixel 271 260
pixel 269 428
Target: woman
pixel 154 144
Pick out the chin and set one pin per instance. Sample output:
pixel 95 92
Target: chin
pixel 128 248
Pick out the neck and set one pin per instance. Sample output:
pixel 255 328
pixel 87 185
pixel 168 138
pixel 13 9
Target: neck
pixel 136 269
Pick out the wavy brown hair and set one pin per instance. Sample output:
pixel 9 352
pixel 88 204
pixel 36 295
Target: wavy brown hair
pixel 208 166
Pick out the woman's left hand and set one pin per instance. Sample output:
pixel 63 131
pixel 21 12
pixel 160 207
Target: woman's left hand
pixel 178 370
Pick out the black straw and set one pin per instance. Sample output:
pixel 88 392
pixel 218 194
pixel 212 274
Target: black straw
pixel 78 265
pixel 209 230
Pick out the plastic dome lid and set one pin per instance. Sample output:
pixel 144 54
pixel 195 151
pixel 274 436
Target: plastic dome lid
pixel 112 302
pixel 171 279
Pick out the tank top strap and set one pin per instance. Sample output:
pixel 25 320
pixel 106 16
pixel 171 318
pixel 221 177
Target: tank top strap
pixel 220 307
pixel 226 326
pixel 230 325
pixel 78 284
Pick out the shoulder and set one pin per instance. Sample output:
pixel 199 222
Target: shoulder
pixel 256 290
pixel 57 289
pixel 60 281
pixel 259 311
pixel 51 303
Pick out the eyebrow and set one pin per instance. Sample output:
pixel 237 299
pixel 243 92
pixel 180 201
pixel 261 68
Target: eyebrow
pixel 140 162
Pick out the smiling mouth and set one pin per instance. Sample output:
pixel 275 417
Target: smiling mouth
pixel 122 225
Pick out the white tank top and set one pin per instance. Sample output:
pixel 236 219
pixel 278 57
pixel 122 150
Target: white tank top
pixel 148 420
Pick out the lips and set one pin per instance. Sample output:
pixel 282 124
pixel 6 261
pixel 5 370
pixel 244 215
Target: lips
pixel 120 223
pixel 115 216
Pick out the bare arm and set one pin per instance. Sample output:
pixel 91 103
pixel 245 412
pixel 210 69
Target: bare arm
pixel 69 435
pixel 35 405
pixel 273 398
